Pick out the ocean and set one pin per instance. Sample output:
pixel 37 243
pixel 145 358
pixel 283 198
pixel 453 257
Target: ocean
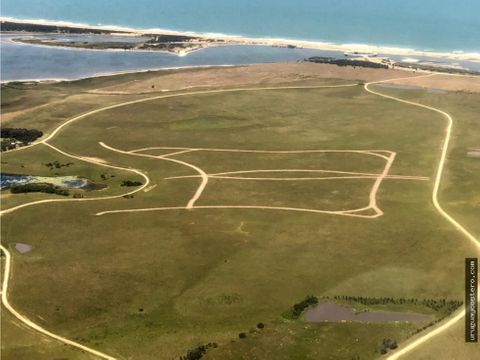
pixel 427 25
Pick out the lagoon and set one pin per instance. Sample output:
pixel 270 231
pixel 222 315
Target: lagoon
pixel 36 62
pixel 25 62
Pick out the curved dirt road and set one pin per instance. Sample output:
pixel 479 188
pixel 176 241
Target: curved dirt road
pixel 438 177
pixel 31 324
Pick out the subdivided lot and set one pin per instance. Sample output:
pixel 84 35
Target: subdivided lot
pixel 330 195
pixel 154 284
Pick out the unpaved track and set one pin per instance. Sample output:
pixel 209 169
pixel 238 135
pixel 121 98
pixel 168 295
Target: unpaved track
pixel 352 212
pixel 313 178
pixel 438 177
pixel 202 174
pixel 378 181
pixel 367 152
pixel 347 175
pixel 31 324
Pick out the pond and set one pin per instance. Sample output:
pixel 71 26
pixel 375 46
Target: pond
pixel 337 312
pixel 23 248
pixel 69 182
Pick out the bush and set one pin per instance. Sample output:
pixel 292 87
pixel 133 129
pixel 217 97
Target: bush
pixel 242 335
pixel 198 352
pixel 301 306
pixel 387 344
pixel 131 183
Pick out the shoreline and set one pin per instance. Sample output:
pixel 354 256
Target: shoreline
pixel 62 47
pixel 115 73
pixel 245 40
pixel 187 67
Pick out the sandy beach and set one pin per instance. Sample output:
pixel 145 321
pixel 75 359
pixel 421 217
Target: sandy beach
pixel 242 40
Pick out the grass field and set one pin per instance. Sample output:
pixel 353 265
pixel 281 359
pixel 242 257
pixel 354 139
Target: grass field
pixel 152 285
pixel 20 342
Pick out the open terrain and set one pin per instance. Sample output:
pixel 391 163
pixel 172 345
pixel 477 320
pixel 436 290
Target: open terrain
pixel 255 192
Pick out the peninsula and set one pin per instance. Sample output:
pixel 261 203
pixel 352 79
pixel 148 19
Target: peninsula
pixel 182 43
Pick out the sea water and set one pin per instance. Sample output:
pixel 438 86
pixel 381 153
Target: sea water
pixel 433 25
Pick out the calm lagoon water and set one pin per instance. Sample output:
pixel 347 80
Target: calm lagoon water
pixel 27 62
pixel 34 62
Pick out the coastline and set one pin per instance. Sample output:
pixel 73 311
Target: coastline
pixel 19 42
pixel 245 40
pixel 114 73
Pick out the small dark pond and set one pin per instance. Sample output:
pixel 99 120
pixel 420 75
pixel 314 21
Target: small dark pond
pixel 69 182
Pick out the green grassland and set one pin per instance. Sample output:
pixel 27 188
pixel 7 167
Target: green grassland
pixel 152 285
pixel 21 343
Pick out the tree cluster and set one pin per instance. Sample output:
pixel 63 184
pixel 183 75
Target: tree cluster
pixel 302 305
pixel 387 344
pixel 198 352
pixel 131 183
pixel 57 165
pixel 446 306
pixel 23 135
pixel 106 176
pixel 12 138
pixel 170 38
pixel 346 62
pixel 7 144
pixel 44 188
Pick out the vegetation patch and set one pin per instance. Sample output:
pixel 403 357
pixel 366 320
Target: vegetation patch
pixel 298 308
pixel 388 344
pixel 445 307
pixel 346 62
pixel 57 165
pixel 131 183
pixel 16 137
pixel 198 352
pixel 44 188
